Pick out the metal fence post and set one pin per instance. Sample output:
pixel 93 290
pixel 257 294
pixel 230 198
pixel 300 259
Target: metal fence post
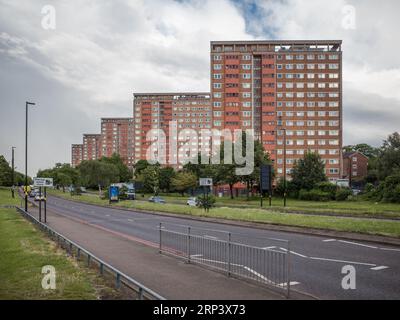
pixel 188 245
pixel 118 281
pixel 229 254
pixel 101 268
pixel 140 293
pixel 160 248
pixel 88 260
pixel 78 254
pixel 288 269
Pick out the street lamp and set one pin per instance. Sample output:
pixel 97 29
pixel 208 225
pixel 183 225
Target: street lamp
pixel 12 171
pixel 26 152
pixel 284 159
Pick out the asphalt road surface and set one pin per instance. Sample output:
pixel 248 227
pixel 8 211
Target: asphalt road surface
pixel 316 262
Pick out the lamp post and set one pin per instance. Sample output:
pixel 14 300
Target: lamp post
pixel 284 160
pixel 12 171
pixel 26 152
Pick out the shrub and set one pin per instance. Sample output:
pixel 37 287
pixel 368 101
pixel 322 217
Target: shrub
pixel 329 188
pixel 343 194
pixel 314 195
pixel 206 202
pixel 391 189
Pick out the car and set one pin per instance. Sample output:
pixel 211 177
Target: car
pixel 356 191
pixel 192 201
pixel 39 197
pixel 33 193
pixel 156 199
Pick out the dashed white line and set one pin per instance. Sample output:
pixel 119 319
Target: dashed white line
pixel 390 249
pixel 344 261
pixel 210 237
pixel 272 247
pixel 292 283
pixel 329 240
pixel 379 268
pixel 358 244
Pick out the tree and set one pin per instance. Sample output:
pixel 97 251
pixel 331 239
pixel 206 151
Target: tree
pixel 150 177
pixel 307 172
pixel 123 171
pixel 365 149
pixel 99 174
pixel 5 172
pixel 166 175
pixel 389 158
pixel 140 166
pixel 184 181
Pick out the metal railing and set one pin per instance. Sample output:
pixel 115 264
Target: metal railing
pixel 264 265
pixel 121 279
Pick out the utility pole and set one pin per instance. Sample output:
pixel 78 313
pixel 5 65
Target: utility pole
pixel 26 152
pixel 284 167
pixel 12 172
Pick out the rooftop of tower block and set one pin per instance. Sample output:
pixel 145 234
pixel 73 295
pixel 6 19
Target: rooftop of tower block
pixel 276 45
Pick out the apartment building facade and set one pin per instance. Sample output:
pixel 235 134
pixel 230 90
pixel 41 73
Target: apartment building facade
pixel 91 146
pixel 287 91
pixel 117 136
pixel 185 110
pixel 76 154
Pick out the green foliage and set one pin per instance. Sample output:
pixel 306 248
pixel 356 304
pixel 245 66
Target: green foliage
pixel 166 175
pixel 343 194
pixel 389 159
pixel 6 174
pixel 184 181
pixel 205 202
pixel 329 188
pixel 365 149
pixel 95 173
pixel 391 188
pixel 308 172
pixel 314 195
pixel 140 166
pixel 124 174
pixel 150 178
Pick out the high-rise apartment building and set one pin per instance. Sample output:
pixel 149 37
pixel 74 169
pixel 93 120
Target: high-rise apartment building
pixel 76 154
pixel 160 110
pixel 91 146
pixel 287 91
pixel 117 136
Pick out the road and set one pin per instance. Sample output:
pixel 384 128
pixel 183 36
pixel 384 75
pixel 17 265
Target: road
pixel 316 262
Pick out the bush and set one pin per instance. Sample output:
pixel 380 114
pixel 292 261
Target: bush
pixel 391 189
pixel 343 194
pixel 329 188
pixel 206 202
pixel 314 195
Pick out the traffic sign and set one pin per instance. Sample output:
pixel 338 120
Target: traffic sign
pixel 42 182
pixel 205 182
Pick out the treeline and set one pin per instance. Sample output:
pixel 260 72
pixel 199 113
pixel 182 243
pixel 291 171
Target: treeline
pixel 90 173
pixel 6 175
pixel 155 178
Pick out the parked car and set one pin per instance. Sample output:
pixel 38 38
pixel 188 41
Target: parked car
pixel 192 201
pixel 130 194
pixel 355 191
pixel 156 199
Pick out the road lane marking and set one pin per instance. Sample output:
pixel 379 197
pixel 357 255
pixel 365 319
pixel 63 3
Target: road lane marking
pixel 292 283
pixel 390 249
pixel 329 240
pixel 344 261
pixel 210 237
pixel 379 268
pixel 293 252
pixel 196 255
pixel 272 247
pixel 358 244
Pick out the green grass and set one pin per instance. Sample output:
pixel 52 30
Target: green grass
pixel 24 250
pixel 367 226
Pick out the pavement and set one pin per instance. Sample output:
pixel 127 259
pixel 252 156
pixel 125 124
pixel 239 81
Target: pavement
pixel 172 278
pixel 317 261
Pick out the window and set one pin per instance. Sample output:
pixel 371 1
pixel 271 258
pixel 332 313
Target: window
pixel 246 95
pixel 246 76
pixel 246 85
pixel 246 104
pixel 217 76
pixel 310 66
pixel 217 123
pixel 246 66
pixel 279 66
pixel 217 85
pixel 217 57
pixel 217 95
pixel 217 66
pixel 246 57
pixel 310 57
pixel 217 104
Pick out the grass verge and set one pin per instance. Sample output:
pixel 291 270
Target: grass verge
pixel 24 251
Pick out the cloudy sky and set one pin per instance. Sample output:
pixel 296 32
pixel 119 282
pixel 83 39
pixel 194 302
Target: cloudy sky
pixel 100 52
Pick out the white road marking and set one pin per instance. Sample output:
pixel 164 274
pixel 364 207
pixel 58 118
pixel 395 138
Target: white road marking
pixel 292 283
pixel 358 244
pixel 210 237
pixel 130 220
pixel 344 261
pixel 329 240
pixel 272 247
pixel 293 252
pixel 379 268
pixel 107 215
pixel 196 255
pixel 390 249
